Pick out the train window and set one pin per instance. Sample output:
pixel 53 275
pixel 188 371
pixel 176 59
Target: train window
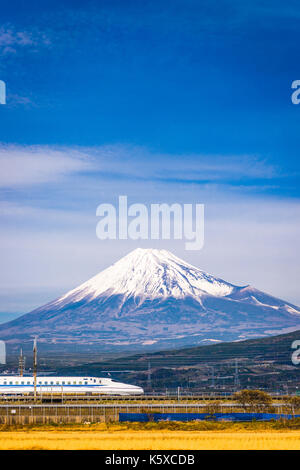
pixel 57 383
pixel 40 383
pixel 63 382
pixel 80 383
pixel 51 383
pixel 74 382
pixel 5 383
pixel 17 383
pixel 10 383
pixel 22 383
pixel 46 383
pixel 69 383
pixel 28 383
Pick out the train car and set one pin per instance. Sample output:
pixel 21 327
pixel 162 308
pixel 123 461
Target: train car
pixel 22 385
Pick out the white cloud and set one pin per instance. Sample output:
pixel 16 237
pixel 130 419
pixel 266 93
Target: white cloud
pixel 29 165
pixel 141 162
pixel 37 164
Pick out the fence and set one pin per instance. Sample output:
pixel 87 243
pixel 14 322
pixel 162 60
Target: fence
pixel 82 413
pixel 59 414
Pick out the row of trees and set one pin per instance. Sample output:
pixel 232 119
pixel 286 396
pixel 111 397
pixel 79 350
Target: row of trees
pixel 259 401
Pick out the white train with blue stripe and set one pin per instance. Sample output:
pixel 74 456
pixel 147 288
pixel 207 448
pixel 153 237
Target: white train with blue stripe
pixel 15 384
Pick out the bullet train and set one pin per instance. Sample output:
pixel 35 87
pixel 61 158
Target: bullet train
pixel 15 384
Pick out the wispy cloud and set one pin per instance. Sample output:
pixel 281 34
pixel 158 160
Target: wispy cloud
pixel 13 100
pixel 39 164
pixel 139 161
pixel 12 39
pixel 31 165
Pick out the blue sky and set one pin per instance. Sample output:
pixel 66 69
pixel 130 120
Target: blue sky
pixel 182 101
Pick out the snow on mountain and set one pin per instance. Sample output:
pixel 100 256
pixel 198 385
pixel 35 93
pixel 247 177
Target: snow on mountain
pixel 152 299
pixel 149 273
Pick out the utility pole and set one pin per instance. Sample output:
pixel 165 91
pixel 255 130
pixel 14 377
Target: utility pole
pixel 21 363
pixel 34 366
pixel 149 382
pixel 212 377
pixel 236 376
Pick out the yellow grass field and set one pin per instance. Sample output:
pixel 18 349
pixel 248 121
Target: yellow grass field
pixel 121 439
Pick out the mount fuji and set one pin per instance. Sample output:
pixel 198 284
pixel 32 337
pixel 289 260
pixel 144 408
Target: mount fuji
pixel 151 299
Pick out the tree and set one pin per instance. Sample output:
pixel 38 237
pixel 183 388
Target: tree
pixel 214 407
pixel 253 400
pixel 294 404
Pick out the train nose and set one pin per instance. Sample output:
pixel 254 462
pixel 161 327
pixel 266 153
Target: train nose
pixel 138 390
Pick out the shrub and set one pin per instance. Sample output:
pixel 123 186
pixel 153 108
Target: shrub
pixel 253 400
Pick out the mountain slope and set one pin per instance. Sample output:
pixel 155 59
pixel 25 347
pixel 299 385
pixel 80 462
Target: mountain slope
pixel 275 349
pixel 151 298
pixel 262 363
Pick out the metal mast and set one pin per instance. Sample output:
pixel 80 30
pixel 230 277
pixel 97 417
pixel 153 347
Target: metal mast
pixel 212 377
pixel 236 376
pixel 21 363
pixel 149 376
pixel 34 366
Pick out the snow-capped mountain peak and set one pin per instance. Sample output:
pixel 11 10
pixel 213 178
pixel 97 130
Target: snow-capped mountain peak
pixel 150 273
pixel 151 298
